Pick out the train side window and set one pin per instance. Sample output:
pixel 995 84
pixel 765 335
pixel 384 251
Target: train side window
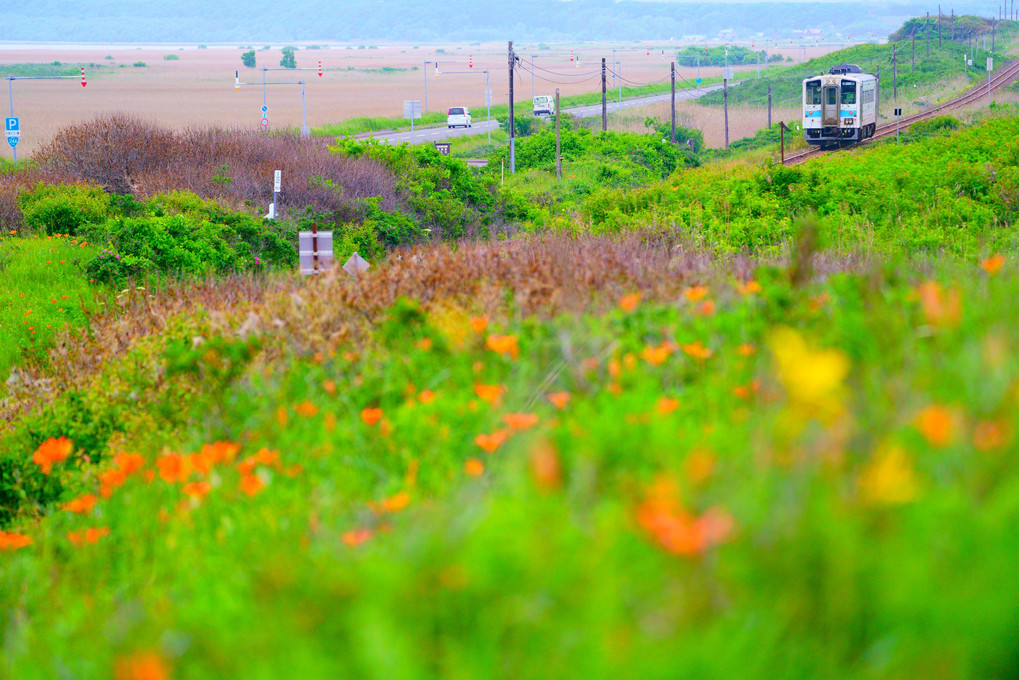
pixel 813 96
pixel 848 92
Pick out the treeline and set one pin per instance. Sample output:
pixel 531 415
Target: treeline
pixel 251 21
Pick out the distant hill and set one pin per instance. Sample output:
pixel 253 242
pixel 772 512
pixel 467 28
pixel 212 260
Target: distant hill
pixel 424 21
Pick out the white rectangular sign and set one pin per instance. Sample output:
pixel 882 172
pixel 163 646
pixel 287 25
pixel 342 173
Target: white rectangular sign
pixel 411 109
pixel 277 181
pixel 990 64
pixel 728 73
pixel 310 245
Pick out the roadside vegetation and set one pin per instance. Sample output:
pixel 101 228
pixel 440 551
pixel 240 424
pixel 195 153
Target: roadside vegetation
pixel 680 414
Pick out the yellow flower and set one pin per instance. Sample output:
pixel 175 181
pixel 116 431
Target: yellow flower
pixel 812 378
pixel 889 479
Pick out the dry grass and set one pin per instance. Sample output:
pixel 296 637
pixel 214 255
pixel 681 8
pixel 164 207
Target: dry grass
pixel 743 121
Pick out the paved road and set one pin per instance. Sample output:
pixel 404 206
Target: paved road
pixel 481 126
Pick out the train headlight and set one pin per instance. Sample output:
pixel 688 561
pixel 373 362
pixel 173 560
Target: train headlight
pixel 848 121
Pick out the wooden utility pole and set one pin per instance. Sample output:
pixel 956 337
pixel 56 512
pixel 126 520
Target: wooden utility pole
pixel 672 138
pixel 769 107
pixel 895 76
pixel 939 27
pixel 604 103
pixel 913 45
pixel 725 101
pixel 953 23
pixel 927 36
pixel 558 146
pixel 513 156
pixel 993 24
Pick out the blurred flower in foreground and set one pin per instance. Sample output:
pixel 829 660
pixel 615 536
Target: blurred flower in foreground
pixel 993 264
pixel 936 424
pixel 559 399
pixel 628 303
pixel 142 666
pixel 13 540
pixel 504 344
pixel 474 467
pixel 940 307
pixel 52 451
pixel 812 378
pixel 675 529
pixel 889 478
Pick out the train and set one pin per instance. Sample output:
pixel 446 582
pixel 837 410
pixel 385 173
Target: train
pixel 840 108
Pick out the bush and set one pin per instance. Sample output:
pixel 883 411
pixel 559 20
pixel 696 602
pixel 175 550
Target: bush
pixel 63 209
pixel 171 57
pixel 248 58
pixel 288 60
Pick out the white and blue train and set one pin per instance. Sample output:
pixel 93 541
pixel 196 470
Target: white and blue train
pixel 840 108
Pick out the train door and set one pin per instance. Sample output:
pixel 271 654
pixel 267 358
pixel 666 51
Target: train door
pixel 830 106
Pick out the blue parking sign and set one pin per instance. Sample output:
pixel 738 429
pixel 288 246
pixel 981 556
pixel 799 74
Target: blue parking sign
pixel 12 130
pixel 11 124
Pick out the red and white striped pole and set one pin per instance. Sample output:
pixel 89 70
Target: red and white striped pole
pixel 83 83
pixel 319 68
pixel 470 61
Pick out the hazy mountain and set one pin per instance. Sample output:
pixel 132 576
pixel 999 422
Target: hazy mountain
pixel 422 21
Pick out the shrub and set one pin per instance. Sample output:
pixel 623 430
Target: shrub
pixel 171 57
pixel 248 58
pixel 288 60
pixel 63 209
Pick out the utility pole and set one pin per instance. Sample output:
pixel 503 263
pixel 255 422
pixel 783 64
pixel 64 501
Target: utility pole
pixel 953 23
pixel 673 137
pixel 913 45
pixel 725 101
pixel 927 35
pixel 513 148
pixel 895 75
pixel 769 107
pixel 993 24
pixel 604 104
pixel 939 27
pixel 558 146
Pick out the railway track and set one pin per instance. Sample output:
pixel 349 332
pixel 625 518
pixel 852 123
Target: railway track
pixel 1003 78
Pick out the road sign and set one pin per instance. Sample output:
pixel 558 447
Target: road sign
pixel 442 148
pixel 355 265
pixel 990 64
pixel 315 251
pixel 13 141
pixel 264 109
pixel 12 124
pixel 277 181
pixel 12 130
pixel 411 109
pixel 898 112
pixel 265 122
pixel 698 81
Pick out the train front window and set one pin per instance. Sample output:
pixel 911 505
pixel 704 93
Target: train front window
pixel 848 92
pixel 831 96
pixel 813 97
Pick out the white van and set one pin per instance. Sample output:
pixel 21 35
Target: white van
pixel 457 116
pixel 544 105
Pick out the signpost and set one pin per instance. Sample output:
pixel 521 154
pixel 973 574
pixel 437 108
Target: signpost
pixel 356 265
pixel 442 148
pixel 305 131
pixel 316 250
pixel 411 110
pixel 898 115
pixel 12 125
pixel 990 67
pixel 12 130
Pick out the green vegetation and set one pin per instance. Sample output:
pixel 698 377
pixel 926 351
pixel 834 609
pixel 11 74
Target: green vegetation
pixel 171 57
pixel 248 58
pixel 288 60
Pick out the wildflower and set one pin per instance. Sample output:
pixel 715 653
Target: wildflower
pixel 988 435
pixel 520 421
pixel 81 504
pixel 677 530
pixel 306 409
pixel 629 302
pixel 936 425
pixel 142 666
pixel 14 540
pixel 707 308
pixel 748 288
pixel 479 324
pixel 559 399
pixel 746 350
pixel 504 344
pixel 490 442
pixel 52 451
pixel 370 416
pixel 697 351
pixel 545 467
pixel 197 489
pixel 940 307
pixel 329 386
pixel 173 468
pixel 356 537
pixel 128 462
pixel 889 478
pixel 251 484
pixel 424 344
pixel 110 480
pixel 993 264
pixel 396 502
pixel 201 462
pixel 655 355
pixel 89 536
pixel 812 378
pixel 426 396
pixel 474 467
pixel 489 393
pixel 221 452
pixel 667 405
pixel 695 293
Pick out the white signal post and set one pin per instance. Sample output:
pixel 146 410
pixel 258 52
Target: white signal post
pixel 13 126
pixel 990 67
pixel 305 132
pixel 424 108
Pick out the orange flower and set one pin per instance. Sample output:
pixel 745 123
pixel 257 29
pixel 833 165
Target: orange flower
pixel 81 504
pixel 128 462
pixel 748 288
pixel 396 502
pixel 88 537
pixel 520 421
pixel 173 468
pixel 746 350
pixel 356 537
pixel 746 391
pixel 221 452
pixel 988 435
pixel 489 393
pixel 479 324
pixel 656 355
pixel 201 462
pixel 707 308
pixel 13 540
pixel 545 467
pixel 306 409
pixel 677 530
pixel 695 293
pixel 941 308
pixel 110 480
pixel 559 399
pixel 329 386
pixel 251 484
pixel 993 264
pixel 52 451
pixel 504 344
pixel 424 344
pixel 371 415
pixel 197 489
pixel 667 405
pixel 936 425
pixel 628 303
pixel 142 666
pixel 268 457
pixel 490 442
pixel 697 350
pixel 474 467
pixel 426 396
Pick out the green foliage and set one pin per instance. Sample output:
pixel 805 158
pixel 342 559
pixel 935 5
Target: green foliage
pixel 288 60
pixel 63 208
pixel 248 58
pixel 171 57
pixel 932 127
pixel 139 64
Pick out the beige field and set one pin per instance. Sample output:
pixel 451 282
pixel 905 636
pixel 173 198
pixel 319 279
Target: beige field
pixel 197 89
